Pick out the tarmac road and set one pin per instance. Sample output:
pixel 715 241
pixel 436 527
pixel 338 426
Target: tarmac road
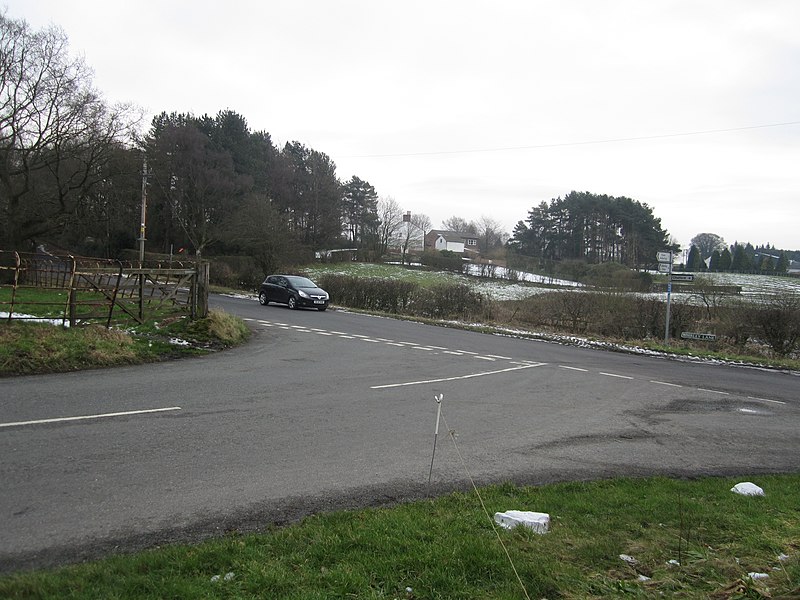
pixel 329 410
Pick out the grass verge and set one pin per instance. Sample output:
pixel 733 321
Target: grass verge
pixel 447 548
pixel 29 347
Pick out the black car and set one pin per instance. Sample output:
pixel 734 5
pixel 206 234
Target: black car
pixel 293 291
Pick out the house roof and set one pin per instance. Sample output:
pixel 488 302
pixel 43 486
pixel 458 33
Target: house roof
pixel 454 236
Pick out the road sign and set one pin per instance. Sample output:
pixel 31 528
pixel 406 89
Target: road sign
pixel 664 257
pixel 664 267
pixel 681 277
pixel 706 337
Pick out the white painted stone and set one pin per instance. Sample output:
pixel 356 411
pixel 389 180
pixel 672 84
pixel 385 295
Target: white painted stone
pixel 747 489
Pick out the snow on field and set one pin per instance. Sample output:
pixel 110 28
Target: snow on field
pixel 21 317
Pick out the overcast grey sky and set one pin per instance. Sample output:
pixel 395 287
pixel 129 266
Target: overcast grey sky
pixel 487 108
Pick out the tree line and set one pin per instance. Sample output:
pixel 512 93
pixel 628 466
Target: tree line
pixel 709 252
pixel 591 227
pixel 74 171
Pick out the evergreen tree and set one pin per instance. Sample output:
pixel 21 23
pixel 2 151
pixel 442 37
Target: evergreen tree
pixel 694 260
pixel 714 265
pixel 725 260
pixel 782 265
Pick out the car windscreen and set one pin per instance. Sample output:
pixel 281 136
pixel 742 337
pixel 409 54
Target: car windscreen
pixel 301 282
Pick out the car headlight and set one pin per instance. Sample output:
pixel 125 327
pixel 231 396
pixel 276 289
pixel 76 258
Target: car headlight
pixel 303 294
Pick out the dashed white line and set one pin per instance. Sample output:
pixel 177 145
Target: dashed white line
pixel 615 375
pixel 321 332
pixel 422 348
pixel 714 391
pixel 85 417
pixel 498 357
pixel 574 368
pixel 489 358
pixel 453 352
pixel 665 383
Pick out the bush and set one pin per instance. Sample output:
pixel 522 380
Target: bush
pixel 777 322
pixel 443 260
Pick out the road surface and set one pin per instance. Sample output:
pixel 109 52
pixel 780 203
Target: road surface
pixel 329 410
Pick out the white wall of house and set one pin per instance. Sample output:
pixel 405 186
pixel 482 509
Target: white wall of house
pixel 443 244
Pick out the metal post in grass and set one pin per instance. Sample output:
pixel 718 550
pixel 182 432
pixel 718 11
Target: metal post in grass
pixel 438 399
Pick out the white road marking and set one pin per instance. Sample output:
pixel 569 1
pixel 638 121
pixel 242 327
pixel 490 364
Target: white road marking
pixel 714 391
pixel 85 417
pixel 665 383
pixel 453 353
pixel 321 332
pixel 421 348
pixel 574 368
pixel 394 385
pixel 615 375
pixel 489 358
pixel 765 400
pixel 499 357
pixel 370 340
pixel 394 344
pixel 467 352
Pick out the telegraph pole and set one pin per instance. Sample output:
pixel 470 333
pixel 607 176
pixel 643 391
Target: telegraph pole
pixel 143 226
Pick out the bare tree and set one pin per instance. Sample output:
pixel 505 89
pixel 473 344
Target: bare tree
pixel 460 225
pixel 390 222
pixel 491 233
pixel 415 229
pixel 56 131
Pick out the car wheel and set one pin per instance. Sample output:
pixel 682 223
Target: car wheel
pixel 292 302
pixel 262 299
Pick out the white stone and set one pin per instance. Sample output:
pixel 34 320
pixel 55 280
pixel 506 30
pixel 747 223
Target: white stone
pixel 538 522
pixel 747 489
pixel 758 575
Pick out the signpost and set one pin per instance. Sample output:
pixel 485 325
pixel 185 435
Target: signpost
pixel 683 277
pixel 665 266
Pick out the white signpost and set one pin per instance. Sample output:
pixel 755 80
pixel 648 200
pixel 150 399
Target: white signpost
pixel 665 266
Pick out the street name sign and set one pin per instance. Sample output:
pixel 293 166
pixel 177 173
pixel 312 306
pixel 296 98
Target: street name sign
pixel 706 337
pixel 664 267
pixel 664 257
pixel 681 277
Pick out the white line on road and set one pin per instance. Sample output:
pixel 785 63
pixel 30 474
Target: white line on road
pixel 393 385
pixel 714 391
pixel 574 368
pixel 489 358
pixel 615 375
pixel 765 400
pixel 665 383
pixel 84 417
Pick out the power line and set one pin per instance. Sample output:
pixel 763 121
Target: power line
pixel 583 143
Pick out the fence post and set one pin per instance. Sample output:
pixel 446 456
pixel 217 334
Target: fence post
pixel 201 293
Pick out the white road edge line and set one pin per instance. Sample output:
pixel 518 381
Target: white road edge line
pixel 394 385
pixel 84 417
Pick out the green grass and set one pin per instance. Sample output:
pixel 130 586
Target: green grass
pixel 447 548
pixel 32 347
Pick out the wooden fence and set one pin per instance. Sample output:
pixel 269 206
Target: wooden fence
pixel 81 289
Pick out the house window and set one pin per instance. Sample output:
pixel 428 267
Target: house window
pixel 472 242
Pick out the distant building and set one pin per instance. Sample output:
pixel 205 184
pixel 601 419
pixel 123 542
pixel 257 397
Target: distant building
pixel 465 244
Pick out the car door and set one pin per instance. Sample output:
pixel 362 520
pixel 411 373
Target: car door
pixel 277 289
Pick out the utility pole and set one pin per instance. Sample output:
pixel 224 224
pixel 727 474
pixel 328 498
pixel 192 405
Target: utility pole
pixel 143 226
